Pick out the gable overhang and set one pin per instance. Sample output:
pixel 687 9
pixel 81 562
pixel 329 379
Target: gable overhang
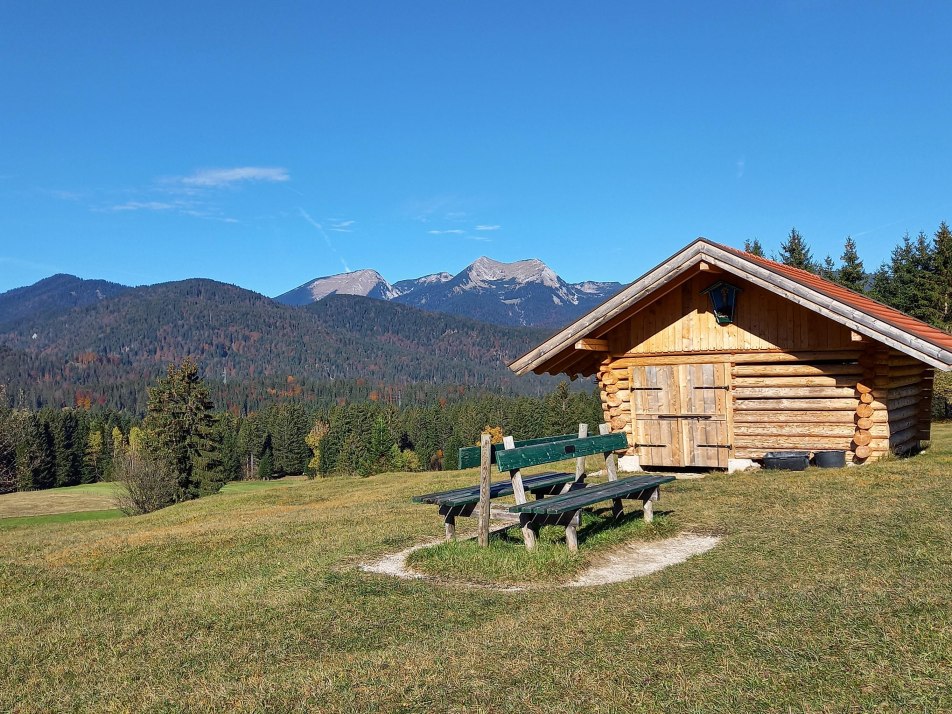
pixel 558 353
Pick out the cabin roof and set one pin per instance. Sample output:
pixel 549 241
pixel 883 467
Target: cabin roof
pixel 858 312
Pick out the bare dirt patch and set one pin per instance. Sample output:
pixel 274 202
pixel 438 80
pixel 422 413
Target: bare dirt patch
pixel 626 562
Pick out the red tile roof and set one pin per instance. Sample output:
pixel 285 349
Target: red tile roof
pixel 889 315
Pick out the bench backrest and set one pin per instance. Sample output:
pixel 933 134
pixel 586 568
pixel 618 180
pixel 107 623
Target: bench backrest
pixel 469 456
pixel 558 450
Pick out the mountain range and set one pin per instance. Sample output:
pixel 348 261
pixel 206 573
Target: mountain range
pixel 65 340
pixel 526 293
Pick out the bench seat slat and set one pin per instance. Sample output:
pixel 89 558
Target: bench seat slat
pixel 470 494
pixel 574 500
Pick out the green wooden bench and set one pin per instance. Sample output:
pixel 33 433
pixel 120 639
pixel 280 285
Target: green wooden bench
pixel 513 457
pixel 464 501
pixel 565 510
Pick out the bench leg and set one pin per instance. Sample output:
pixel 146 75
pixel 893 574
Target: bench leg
pixel 450 527
pixel 649 506
pixel 571 532
pixel 529 531
pixel 617 508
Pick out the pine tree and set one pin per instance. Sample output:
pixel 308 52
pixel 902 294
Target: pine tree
pixel 179 422
pixel 796 253
pixel 827 269
pixel 36 455
pixel 226 428
pixel 381 441
pixel 266 462
pixel 754 248
pixel 852 274
pixel 942 249
pixel 68 446
pixel 925 294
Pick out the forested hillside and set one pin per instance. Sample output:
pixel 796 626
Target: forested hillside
pixel 51 296
pixel 253 351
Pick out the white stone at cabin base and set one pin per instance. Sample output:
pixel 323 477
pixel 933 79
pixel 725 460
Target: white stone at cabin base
pixel 735 465
pixel 629 463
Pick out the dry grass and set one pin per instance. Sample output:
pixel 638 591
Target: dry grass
pixel 830 592
pixel 91 497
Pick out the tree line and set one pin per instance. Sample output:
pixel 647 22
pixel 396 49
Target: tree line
pixel 200 449
pixel 917 277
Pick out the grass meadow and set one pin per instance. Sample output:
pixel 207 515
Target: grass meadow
pixel 831 591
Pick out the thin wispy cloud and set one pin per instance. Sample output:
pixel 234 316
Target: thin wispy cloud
pixel 437 208
pixel 327 240
pixel 217 178
pixel 448 232
pixel 741 164
pixel 494 227
pixel 867 231
pixel 342 226
pixel 145 206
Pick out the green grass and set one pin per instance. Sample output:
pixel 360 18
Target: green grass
pixel 506 560
pixel 75 517
pixel 829 592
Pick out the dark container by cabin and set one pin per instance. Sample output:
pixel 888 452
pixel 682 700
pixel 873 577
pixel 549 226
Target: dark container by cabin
pixel 788 460
pixel 834 459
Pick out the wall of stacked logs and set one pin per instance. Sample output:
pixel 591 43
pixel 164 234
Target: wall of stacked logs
pixel 869 401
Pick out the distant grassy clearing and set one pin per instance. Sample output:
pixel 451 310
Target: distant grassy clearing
pixel 829 592
pixel 98 497
pixel 87 497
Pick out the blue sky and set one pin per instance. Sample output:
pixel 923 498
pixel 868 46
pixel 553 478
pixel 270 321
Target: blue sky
pixel 265 144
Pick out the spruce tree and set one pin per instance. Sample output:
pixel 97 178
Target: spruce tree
pixel 266 462
pixel 827 269
pixel 796 253
pixel 851 274
pixel 754 248
pixel 179 422
pixel 925 296
pixel 943 269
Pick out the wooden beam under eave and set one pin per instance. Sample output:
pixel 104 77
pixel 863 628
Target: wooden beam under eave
pixel 706 267
pixel 592 344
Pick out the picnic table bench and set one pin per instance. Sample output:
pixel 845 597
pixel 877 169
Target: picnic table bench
pixel 565 510
pixel 463 501
pixel 560 496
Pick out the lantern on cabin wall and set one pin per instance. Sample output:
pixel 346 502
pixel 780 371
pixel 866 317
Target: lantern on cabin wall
pixel 723 301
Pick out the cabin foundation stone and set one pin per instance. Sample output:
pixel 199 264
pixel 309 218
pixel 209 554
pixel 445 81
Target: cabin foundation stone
pixel 629 463
pixel 738 465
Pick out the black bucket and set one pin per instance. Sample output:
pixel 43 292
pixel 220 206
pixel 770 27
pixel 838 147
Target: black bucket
pixel 789 460
pixel 829 459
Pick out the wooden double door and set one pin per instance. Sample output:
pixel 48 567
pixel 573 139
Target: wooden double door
pixel 681 414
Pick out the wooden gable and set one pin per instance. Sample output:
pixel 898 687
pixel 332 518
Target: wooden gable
pixel 682 321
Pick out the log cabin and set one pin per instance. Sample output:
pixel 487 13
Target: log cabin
pixel 717 356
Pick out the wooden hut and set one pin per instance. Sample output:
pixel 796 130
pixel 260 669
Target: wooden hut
pixel 717 355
